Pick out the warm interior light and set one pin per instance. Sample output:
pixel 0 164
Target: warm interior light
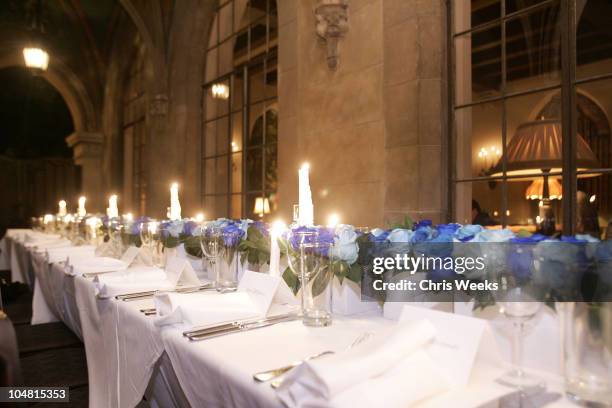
pixel 220 91
pixel 262 206
pixel 36 58
pixel 535 191
pixel 128 217
pixel 278 227
pixel 199 217
pixel 333 220
pixel 593 198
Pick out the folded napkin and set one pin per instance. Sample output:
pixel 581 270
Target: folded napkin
pixel 138 279
pixel 48 244
pixel 201 309
pixel 74 253
pixel 348 378
pixel 39 236
pixel 98 265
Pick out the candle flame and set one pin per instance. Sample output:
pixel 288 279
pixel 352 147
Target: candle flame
pixel 199 217
pixel 333 220
pixel 278 227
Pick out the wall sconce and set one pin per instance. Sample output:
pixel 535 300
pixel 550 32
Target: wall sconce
pixel 262 206
pixel 220 91
pixel 331 25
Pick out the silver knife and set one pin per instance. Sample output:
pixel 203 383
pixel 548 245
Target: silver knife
pixel 139 295
pixel 230 324
pixel 242 328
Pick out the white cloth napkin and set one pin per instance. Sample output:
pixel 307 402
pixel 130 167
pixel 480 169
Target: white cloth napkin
pixel 48 244
pixel 349 378
pixel 32 236
pixel 200 309
pixel 98 265
pixel 138 279
pixel 72 252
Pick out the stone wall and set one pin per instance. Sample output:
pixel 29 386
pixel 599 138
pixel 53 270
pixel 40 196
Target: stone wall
pixel 372 130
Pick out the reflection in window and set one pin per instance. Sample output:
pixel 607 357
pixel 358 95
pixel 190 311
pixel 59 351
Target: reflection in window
pixel 508 114
pixel 240 111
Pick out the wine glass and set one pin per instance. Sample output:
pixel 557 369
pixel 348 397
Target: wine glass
pixel 520 307
pixel 148 234
pixel 211 242
pixel 307 258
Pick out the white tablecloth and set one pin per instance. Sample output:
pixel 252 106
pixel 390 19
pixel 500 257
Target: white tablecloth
pixel 128 356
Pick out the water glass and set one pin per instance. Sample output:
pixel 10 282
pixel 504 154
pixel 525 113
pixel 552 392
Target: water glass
pixel 211 242
pixel 307 258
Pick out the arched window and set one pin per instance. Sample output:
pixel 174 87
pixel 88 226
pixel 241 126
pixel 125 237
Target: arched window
pixel 509 59
pixel 134 134
pixel 240 126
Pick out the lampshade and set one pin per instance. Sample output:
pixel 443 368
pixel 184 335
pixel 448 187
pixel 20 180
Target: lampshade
pixel 537 146
pixel 262 206
pixel 535 191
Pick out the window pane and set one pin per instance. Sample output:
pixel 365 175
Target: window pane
pixel 221 203
pixel 594 38
pixel 478 65
pixel 533 49
pixel 593 125
pixel 237 132
pixel 471 13
pixel 222 136
pixel 513 6
pixel 254 170
pixel 214 34
pixel 271 165
pixel 479 203
pixel 236 207
pixel 221 176
pixel 211 65
pixel 257 83
pixel 236 172
pixel 225 22
pixel 271 78
pixel 256 121
pixel 210 137
pixel 241 17
pixel 226 57
pixel 209 176
pixel 479 139
pixel 237 97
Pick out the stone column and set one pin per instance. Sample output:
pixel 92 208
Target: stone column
pixel 87 147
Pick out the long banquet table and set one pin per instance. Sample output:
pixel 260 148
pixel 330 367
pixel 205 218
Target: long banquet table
pixel 129 357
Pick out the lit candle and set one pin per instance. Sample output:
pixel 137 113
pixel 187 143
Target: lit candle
pixel 93 226
pixel 306 209
pixel 128 217
pixel 81 211
pixel 199 217
pixel 112 211
pixel 333 220
pixel 47 219
pixel 175 205
pixel 277 230
pixel 62 209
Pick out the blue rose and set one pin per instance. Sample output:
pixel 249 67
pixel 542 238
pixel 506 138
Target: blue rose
pixel 378 235
pixel 400 235
pixel 423 223
pixel 468 232
pixel 489 235
pixel 232 235
pixel 345 244
pixel 189 227
pixel 422 234
pixel 558 266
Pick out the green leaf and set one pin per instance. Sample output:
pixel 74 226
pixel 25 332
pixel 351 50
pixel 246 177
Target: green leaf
pixel 292 281
pixel 321 281
pixel 192 246
pixel 355 273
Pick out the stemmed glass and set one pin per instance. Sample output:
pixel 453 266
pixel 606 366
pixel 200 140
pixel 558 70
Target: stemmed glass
pixel 211 242
pixel 149 233
pixel 307 258
pixel 520 307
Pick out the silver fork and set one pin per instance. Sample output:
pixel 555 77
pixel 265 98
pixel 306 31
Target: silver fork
pixel 277 372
